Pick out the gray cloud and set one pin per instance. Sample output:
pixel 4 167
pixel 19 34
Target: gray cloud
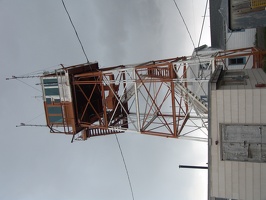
pixel 35 35
pixel 127 28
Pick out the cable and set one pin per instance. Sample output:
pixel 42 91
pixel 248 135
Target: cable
pixel 189 34
pixel 75 30
pixel 203 21
pixel 128 177
pixel 29 85
pixel 228 38
pixel 185 24
pixel 34 118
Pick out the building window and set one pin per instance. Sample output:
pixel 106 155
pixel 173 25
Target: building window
pixel 55 114
pixel 204 98
pixel 50 82
pixel 51 91
pixel 204 66
pixel 242 142
pixel 237 61
pixel 55 119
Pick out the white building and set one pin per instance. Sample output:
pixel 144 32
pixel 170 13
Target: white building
pixel 221 36
pixel 237 135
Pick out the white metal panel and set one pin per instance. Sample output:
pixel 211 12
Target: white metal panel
pixel 228 179
pixel 249 181
pixel 235 180
pixel 214 148
pixel 256 180
pixel 252 78
pixel 242 180
pixel 241 105
pixel 263 104
pixel 262 74
pixel 263 181
pixel 220 108
pixel 227 107
pixel 249 106
pixel 215 175
pixel 214 107
pixel 249 63
pixel 241 39
pixel 220 117
pixel 248 85
pixel 234 106
pixel 258 76
pixel 221 179
pixel 256 106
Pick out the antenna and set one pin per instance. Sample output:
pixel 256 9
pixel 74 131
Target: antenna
pixel 193 167
pixel 35 125
pixel 22 77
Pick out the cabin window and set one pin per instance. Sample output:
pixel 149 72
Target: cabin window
pixel 55 114
pixel 48 100
pixel 54 110
pixel 57 100
pixel 55 119
pixel 50 82
pixel 51 91
pixel 242 142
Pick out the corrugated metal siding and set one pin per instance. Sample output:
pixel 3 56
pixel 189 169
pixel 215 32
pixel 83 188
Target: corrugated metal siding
pixel 232 179
pixel 255 76
pixel 240 39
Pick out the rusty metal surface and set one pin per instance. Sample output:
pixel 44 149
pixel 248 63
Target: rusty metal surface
pixel 247 14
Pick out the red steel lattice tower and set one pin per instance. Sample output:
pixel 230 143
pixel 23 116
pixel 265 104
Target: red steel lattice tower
pixel 156 98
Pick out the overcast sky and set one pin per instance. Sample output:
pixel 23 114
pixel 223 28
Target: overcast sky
pixel 36 35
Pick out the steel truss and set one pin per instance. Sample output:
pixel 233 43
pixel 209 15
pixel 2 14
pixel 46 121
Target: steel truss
pixel 162 97
pixel 151 98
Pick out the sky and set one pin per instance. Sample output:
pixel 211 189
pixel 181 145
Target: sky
pixel 35 36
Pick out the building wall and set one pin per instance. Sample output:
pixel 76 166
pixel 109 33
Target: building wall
pixel 241 39
pixel 237 104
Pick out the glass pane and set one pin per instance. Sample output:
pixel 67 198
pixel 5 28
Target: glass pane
pixel 240 60
pixel 51 91
pixel 54 110
pixel 55 119
pixel 50 81
pixel 57 101
pixel 48 100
